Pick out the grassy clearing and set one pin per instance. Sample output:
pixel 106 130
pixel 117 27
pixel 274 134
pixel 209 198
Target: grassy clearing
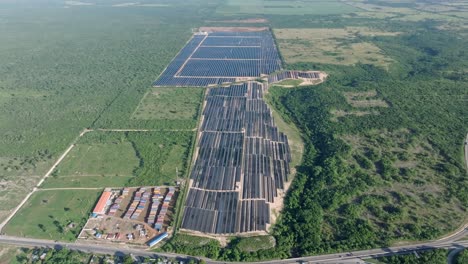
pixel 8 254
pixel 12 190
pixel 48 214
pixel 255 243
pixel 343 113
pixel 87 181
pixel 117 159
pixel 364 99
pixel 341 46
pixel 95 159
pixel 193 245
pixel 289 83
pixel 289 129
pixel 170 103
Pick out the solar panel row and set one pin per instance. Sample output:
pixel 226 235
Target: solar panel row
pixel 235 41
pixel 242 160
pixel 219 57
pixel 228 53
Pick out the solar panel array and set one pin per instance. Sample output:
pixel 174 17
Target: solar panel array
pixel 221 57
pixel 242 161
pixel 279 76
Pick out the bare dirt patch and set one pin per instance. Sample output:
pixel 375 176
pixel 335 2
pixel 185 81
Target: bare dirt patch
pixel 113 229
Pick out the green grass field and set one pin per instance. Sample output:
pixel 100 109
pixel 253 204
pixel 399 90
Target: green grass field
pixel 48 214
pixel 87 181
pixel 97 159
pixel 115 159
pixel 170 103
pixel 255 243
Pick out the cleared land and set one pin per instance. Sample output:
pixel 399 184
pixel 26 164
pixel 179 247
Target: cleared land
pixel 341 46
pixel 116 159
pixel 362 104
pixel 56 214
pixel 255 243
pixel 364 99
pixel 170 103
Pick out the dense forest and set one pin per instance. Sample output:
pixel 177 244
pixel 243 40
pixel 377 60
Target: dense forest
pixel 426 96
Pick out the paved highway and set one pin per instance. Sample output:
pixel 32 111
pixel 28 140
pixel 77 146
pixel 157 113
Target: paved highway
pixel 347 257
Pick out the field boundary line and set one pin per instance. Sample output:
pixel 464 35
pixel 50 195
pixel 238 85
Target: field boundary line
pixel 57 162
pixel 139 103
pixel 190 164
pixel 143 130
pixel 93 175
pixel 466 152
pixel 72 188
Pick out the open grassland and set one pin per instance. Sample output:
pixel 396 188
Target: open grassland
pixel 170 104
pixel 99 159
pixel 8 254
pixel 364 99
pixel 57 215
pixel 193 245
pixel 284 7
pixel 343 46
pixel 12 190
pixel 412 10
pixel 115 159
pixel 254 243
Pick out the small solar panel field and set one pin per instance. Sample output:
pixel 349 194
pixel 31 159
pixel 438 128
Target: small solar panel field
pixel 214 58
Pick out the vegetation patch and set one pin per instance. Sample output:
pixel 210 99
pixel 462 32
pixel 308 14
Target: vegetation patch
pixel 343 46
pixel 364 99
pixel 170 103
pixel 435 256
pixel 289 83
pixel 12 190
pixel 461 257
pixel 343 113
pixel 193 245
pixel 115 159
pixel 56 215
pixel 417 192
pixel 255 243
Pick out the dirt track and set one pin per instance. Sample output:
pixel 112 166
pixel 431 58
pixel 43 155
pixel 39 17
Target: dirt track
pixel 466 152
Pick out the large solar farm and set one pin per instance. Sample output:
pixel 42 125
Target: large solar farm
pixel 215 56
pixel 242 160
